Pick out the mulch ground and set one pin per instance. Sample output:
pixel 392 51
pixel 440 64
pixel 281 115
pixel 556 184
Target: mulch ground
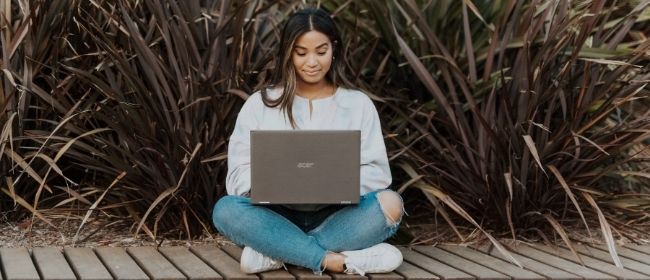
pixel 102 231
pixel 95 233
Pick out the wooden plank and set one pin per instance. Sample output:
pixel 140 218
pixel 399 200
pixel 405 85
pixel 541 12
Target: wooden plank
pixel 628 253
pixel 384 276
pixel 561 263
pixel 120 264
pixel 412 272
pixel 537 267
pixel 221 262
pixel 52 264
pixel 343 276
pixel 278 274
pixel 17 264
pixel 641 248
pixel 86 265
pixel 302 273
pixel 594 263
pixel 463 264
pixel 484 247
pixel 493 263
pixel 604 255
pixel 154 263
pixel 189 264
pixel 437 268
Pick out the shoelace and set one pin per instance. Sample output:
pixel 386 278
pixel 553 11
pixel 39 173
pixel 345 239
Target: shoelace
pixel 272 262
pixel 352 269
pixel 269 262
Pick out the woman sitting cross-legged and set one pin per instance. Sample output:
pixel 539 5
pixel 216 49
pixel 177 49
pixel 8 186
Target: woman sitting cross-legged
pixel 309 91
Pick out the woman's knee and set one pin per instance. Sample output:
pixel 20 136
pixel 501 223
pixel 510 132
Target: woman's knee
pixel 391 204
pixel 226 209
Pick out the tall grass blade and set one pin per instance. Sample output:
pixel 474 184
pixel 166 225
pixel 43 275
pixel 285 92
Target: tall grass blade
pixel 94 206
pixel 533 150
pixel 459 210
pixel 560 230
pixel 606 230
pixel 169 191
pixel 26 205
pixel 569 193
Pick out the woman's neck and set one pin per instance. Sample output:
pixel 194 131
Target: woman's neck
pixel 314 91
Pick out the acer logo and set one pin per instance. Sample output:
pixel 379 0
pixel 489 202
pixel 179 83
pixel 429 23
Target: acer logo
pixel 305 164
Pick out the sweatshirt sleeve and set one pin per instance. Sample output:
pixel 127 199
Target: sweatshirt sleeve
pixel 238 179
pixel 375 171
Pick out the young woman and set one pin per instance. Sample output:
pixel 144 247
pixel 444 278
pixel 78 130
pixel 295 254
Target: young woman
pixel 308 91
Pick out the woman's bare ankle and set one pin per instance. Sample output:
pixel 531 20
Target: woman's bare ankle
pixel 333 262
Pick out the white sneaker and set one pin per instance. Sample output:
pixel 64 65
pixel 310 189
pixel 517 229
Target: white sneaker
pixel 380 258
pixel 254 262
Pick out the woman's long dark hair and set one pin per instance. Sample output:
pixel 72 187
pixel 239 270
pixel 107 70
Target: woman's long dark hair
pixel 284 74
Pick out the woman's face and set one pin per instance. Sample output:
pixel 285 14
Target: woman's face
pixel 312 57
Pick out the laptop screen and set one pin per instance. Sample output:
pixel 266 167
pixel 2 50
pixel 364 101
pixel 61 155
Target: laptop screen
pixel 305 166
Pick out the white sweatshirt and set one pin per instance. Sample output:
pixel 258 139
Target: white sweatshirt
pixel 346 109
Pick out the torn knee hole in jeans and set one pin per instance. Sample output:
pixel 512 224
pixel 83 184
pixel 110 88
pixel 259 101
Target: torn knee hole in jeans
pixel 389 220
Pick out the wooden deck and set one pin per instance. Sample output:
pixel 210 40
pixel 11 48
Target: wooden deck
pixel 420 262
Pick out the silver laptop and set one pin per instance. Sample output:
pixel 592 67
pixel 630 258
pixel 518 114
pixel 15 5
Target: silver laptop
pixel 305 166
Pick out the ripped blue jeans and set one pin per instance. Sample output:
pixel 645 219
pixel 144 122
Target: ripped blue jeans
pixel 303 238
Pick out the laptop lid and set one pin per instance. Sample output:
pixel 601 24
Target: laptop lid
pixel 305 166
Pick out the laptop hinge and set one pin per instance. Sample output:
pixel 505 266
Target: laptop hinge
pixel 264 202
pixel 346 202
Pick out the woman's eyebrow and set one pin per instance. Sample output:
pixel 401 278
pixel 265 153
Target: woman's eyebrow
pixel 319 46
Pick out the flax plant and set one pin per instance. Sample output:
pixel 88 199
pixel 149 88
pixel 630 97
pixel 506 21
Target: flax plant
pixel 521 118
pixel 128 105
pixel 536 111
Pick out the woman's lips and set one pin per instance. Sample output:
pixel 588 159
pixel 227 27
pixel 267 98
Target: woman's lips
pixel 311 73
